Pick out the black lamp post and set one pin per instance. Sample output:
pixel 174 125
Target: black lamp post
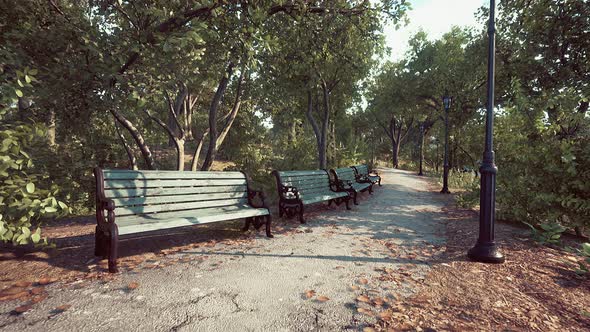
pixel 485 249
pixel 447 101
pixel 421 147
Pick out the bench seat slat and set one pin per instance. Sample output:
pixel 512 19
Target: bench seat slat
pixel 142 209
pixel 173 199
pixel 320 198
pixel 134 192
pixel 138 183
pixel 149 175
pixel 171 220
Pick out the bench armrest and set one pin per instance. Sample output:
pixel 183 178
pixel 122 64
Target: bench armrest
pixel 289 192
pixel 252 195
pixel 109 205
pixel 340 185
pixel 363 178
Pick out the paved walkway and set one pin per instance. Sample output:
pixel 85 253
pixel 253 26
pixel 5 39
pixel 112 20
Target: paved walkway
pixel 336 258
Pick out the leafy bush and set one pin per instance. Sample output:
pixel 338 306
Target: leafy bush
pixel 549 233
pixel 584 267
pixel 22 201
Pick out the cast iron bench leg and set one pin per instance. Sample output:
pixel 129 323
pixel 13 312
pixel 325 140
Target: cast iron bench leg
pixel 247 224
pixel 268 222
pixel 355 199
pixel 347 203
pixel 100 248
pixel 113 247
pixel 301 220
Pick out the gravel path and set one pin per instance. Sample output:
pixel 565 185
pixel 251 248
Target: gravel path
pixel 313 278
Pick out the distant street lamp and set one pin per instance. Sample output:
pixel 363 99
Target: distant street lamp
pixel 447 101
pixel 485 249
pixel 421 147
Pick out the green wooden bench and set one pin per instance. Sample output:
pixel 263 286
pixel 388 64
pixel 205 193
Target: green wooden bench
pixel 363 174
pixel 347 177
pixel 299 188
pixel 129 202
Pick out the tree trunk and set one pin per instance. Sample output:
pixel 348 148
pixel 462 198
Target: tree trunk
pixel 137 137
pixel 179 142
pixel 212 149
pixel 234 111
pixel 312 121
pixel 51 129
pixel 197 154
pixel 130 155
pixel 323 161
pixel 395 154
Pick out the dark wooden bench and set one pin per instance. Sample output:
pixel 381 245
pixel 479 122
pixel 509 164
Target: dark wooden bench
pixel 363 174
pixel 299 188
pixel 129 202
pixel 348 178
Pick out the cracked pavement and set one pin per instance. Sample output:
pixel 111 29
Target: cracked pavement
pixel 263 287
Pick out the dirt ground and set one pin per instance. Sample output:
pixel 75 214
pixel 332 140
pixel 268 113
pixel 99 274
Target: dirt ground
pixel 536 289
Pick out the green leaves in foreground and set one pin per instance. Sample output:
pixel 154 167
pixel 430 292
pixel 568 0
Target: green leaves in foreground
pixel 549 233
pixel 27 196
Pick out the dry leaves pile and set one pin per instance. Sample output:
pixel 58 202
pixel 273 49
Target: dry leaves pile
pixel 27 293
pixel 535 290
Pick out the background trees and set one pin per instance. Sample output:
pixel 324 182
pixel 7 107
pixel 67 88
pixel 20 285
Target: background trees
pixel 174 85
pixel 542 119
pixel 286 84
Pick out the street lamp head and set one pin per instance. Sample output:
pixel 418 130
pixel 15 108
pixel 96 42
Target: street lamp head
pixel 447 101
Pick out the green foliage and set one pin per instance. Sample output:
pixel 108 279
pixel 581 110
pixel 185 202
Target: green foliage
pixel 584 267
pixel 23 202
pixel 549 233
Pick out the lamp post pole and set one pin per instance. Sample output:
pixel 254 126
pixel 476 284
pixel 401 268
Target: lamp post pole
pixel 485 249
pixel 421 147
pixel 447 104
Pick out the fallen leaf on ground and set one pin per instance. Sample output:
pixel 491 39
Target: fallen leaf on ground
pixel 363 298
pixel 354 287
pixel 37 290
pixel 13 293
pixel 385 315
pixel 61 308
pixel 366 312
pixel 45 281
pixel 379 301
pixel 22 309
pixel 309 293
pixel 23 284
pixel 363 281
pixel 133 285
pixel 38 298
pixel 322 298
pixel 369 329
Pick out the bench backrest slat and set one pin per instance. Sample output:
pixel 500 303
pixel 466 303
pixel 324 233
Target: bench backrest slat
pixel 308 183
pixel 123 174
pixel 133 192
pixel 345 174
pixel 362 169
pixel 153 192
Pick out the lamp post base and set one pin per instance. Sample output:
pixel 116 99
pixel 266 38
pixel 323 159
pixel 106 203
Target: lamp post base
pixel 485 253
pixel 445 191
